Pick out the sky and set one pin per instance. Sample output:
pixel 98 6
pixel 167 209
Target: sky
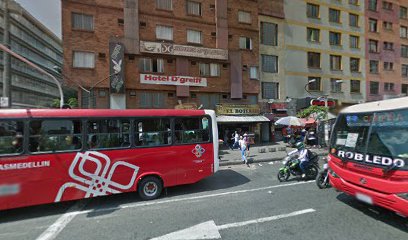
pixel 48 12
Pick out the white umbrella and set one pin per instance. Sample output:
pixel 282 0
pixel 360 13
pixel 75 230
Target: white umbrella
pixel 289 121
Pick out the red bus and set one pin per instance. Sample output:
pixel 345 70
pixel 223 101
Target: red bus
pixel 369 153
pixel 53 155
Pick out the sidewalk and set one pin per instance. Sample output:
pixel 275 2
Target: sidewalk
pixel 260 153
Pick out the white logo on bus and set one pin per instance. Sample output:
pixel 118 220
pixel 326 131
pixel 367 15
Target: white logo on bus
pixel 384 161
pixel 98 183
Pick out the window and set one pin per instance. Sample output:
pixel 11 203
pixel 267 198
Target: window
pixel 403 12
pixel 245 43
pixel 354 64
pixel 353 2
pixel 192 130
pixel 335 85
pixel 354 41
pixel 55 135
pixel 194 36
pixel 372 5
pixel 11 137
pixel 353 20
pixel 164 4
pixel 270 90
pixel 335 62
pixel 404 70
pixel 102 93
pixel 404 51
pixel 388 46
pixel 388 66
pixel 335 38
pixel 82 22
pixel 244 17
pixel 313 60
pixel 270 63
pixel 389 87
pixel 373 66
pixel 152 132
pixel 269 34
pixel 253 73
pixel 372 25
pixel 373 46
pixel 209 69
pixel 387 5
pixel 312 11
pixel 334 15
pixel 164 32
pixel 313 35
pixel 403 32
pixel 387 26
pixel 355 86
pixel 404 89
pixel 151 65
pixel 193 8
pixel 314 86
pixel 108 133
pixel 374 87
pixel 152 100
pixel 84 60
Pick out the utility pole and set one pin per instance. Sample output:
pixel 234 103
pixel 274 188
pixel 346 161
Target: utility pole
pixel 6 56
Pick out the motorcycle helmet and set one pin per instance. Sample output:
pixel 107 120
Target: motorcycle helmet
pixel 300 146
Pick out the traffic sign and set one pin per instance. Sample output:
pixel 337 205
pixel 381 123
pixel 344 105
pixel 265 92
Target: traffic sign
pixel 4 102
pixel 316 102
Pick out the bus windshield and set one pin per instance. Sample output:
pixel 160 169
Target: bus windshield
pixel 379 138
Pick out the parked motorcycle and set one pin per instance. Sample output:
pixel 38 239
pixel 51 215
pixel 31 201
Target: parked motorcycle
pixel 322 179
pixel 292 166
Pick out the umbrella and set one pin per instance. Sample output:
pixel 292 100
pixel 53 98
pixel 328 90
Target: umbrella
pixel 290 121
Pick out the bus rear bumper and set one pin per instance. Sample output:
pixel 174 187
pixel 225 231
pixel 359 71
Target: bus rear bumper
pixel 388 201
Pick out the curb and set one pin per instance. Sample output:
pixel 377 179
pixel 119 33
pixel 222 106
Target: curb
pixel 228 163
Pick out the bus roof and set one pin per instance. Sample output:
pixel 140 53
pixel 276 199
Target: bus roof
pixel 385 105
pixel 63 113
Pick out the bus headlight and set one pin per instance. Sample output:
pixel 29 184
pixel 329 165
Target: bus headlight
pixel 403 196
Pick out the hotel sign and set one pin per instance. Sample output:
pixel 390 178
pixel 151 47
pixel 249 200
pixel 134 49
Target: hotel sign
pixel 183 50
pixel 237 109
pixel 173 80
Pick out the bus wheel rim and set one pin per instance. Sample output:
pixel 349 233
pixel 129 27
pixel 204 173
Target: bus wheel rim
pixel 150 189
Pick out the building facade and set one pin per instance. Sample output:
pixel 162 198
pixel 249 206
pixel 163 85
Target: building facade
pixel 387 49
pixel 32 40
pixel 325 50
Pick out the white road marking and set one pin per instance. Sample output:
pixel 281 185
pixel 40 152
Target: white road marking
pixel 52 231
pixel 209 230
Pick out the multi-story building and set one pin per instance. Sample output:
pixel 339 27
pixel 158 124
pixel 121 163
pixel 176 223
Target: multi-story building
pixel 32 40
pixel 387 49
pixel 176 54
pixel 325 50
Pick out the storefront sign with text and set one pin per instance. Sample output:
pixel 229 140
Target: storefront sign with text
pixel 173 80
pixel 237 109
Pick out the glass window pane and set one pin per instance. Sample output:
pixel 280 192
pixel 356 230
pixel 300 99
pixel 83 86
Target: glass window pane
pixel 192 130
pixel 11 137
pixel 152 132
pixel 108 134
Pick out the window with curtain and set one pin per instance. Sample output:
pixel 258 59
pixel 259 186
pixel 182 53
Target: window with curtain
pixel 373 66
pixel 193 8
pixel 204 69
pixel 245 43
pixel 194 36
pixel 164 32
pixel 164 4
pixel 355 86
pixel 372 25
pixel 335 62
pixel 313 34
pixel 388 66
pixel 335 86
pixel 269 34
pixel 214 69
pixel 354 41
pixel 389 87
pixel 155 65
pixel 335 38
pixel 253 73
pixel 353 20
pixel 152 100
pixel 244 17
pixel 334 15
pixel 313 60
pixel 403 32
pixel 270 63
pixel 373 46
pixel 354 64
pixel 84 59
pixel 82 21
pixel 312 10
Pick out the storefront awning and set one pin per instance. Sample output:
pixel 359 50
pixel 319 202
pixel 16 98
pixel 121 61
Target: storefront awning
pixel 238 119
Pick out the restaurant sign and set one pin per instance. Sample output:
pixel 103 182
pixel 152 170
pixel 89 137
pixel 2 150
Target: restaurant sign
pixel 173 80
pixel 183 50
pixel 237 109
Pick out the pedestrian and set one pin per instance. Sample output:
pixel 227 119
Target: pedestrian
pixel 247 143
pixel 242 145
pixel 236 141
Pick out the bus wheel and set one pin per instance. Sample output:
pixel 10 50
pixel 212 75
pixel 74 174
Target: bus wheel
pixel 150 188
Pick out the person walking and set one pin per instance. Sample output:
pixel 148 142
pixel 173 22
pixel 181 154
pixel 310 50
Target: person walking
pixel 242 145
pixel 236 141
pixel 247 143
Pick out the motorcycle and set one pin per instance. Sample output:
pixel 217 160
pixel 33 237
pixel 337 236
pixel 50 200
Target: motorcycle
pixel 292 167
pixel 322 179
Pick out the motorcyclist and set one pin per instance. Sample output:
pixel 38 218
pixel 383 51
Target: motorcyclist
pixel 303 157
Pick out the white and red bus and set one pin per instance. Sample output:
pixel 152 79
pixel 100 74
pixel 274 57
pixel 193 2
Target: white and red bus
pixel 369 153
pixel 55 155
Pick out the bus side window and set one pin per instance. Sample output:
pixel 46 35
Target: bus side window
pixel 192 130
pixel 110 133
pixel 152 132
pixel 11 137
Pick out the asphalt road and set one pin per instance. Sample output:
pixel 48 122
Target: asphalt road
pixel 236 203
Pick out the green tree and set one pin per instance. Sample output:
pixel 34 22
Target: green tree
pixel 319 111
pixel 72 102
